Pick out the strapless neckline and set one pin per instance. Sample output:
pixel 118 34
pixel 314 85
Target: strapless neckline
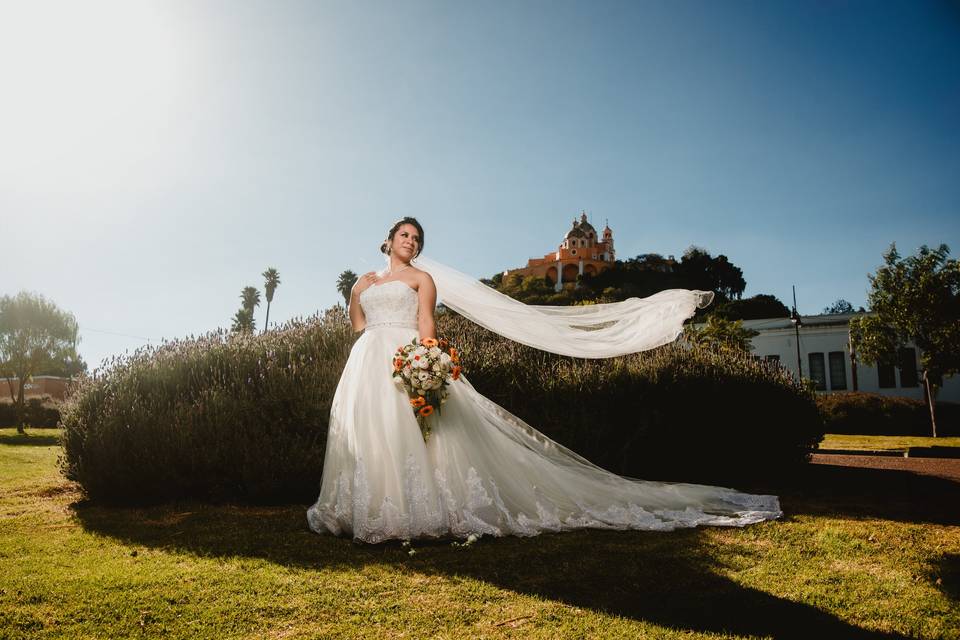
pixel 376 286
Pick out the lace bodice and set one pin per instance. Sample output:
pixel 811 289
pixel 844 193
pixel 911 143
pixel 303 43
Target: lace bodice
pixel 392 304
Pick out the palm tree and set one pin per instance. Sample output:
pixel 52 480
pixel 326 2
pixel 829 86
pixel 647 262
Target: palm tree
pixel 272 279
pixel 345 284
pixel 243 321
pixel 250 299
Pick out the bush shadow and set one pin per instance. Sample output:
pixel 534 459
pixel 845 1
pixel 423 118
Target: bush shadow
pixel 855 492
pixel 30 439
pixel 946 575
pixel 670 579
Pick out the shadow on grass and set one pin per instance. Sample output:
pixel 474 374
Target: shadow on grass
pixel 48 438
pixel 946 575
pixel 669 579
pixel 853 492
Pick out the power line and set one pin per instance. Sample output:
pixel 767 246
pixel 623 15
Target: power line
pixel 113 333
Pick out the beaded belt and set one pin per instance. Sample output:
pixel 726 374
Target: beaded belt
pixel 405 325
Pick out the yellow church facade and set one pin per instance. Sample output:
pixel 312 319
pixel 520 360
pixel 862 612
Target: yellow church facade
pixel 582 251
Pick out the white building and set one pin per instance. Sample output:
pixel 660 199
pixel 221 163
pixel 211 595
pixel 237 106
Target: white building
pixel 825 358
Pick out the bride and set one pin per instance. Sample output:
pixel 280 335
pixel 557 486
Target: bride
pixel 483 470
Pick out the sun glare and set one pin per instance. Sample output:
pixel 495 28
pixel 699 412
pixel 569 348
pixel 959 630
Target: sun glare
pixel 88 87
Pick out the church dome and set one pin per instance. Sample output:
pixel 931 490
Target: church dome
pixel 575 232
pixel 585 226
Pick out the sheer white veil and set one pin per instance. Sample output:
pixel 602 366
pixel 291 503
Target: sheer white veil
pixel 589 331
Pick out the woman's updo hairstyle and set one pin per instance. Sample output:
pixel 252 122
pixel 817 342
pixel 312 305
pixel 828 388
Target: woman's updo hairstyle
pixel 396 225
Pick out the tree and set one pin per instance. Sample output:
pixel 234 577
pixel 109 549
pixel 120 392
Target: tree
pixel 271 280
pixel 914 299
pixel 756 307
pixel 727 278
pixel 345 284
pixel 243 320
pixel 73 365
pixel 840 306
pixel 702 271
pixel 34 334
pixel 721 334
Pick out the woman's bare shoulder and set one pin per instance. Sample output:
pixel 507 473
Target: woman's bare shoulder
pixel 422 276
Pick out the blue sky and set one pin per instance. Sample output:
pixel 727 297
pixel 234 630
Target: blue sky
pixel 159 156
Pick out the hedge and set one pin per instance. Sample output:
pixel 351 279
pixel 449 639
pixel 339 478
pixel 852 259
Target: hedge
pixel 244 417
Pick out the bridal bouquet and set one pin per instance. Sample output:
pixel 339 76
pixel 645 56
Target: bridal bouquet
pixel 424 368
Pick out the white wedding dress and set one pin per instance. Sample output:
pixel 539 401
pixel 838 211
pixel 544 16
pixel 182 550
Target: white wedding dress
pixel 482 470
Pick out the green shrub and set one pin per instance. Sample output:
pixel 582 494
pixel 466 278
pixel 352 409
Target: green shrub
pixel 38 412
pixel 244 417
pixel 861 413
pixel 224 416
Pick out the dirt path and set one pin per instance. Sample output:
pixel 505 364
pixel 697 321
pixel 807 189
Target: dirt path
pixel 937 467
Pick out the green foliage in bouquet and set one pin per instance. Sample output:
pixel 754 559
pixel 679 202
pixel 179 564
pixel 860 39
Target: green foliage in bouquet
pixel 423 369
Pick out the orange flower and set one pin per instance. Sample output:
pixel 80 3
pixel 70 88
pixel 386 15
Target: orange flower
pixel 429 342
pixel 453 352
pixel 398 364
pixel 444 343
pixel 456 373
pixel 419 401
pixel 427 410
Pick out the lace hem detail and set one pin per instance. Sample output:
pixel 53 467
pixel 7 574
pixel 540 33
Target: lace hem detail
pixel 483 511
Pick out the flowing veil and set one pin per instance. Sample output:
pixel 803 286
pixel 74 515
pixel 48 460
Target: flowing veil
pixel 581 493
pixel 590 331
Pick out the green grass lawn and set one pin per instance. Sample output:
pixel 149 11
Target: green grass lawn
pixel 883 443
pixel 859 554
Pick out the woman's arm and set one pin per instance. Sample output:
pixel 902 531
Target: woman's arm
pixel 357 318
pixel 428 300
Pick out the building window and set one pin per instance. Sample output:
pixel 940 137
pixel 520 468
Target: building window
pixel 817 371
pixel 573 251
pixel 838 371
pixel 886 377
pixel 908 367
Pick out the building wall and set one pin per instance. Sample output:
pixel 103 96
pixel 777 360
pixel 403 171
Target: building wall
pixel 53 386
pixel 826 334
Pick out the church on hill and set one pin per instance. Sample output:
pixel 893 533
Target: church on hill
pixel 582 251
